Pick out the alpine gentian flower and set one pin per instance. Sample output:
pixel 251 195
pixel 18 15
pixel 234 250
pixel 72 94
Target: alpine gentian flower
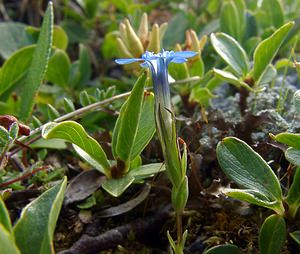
pixel 165 124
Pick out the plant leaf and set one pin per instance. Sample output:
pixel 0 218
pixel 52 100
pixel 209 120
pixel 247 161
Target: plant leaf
pixel 293 155
pixel 127 206
pixel 75 133
pixel 255 198
pixel 293 197
pixel 230 22
pixel 146 126
pixel 117 186
pixel 15 67
pixel 38 65
pixel 267 50
pixel 287 138
pixel 224 249
pixel 296 236
pixel 60 38
pixel 126 128
pixel 272 235
pixel 59 68
pixel 4 217
pixel 35 228
pixel 247 168
pixel 231 52
pixel 7 243
pixel 272 12
pixel 14 37
pixel 148 170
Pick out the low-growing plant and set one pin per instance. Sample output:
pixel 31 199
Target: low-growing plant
pixel 133 130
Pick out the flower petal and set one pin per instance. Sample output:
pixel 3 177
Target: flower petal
pixel 128 60
pixel 184 54
pixel 178 60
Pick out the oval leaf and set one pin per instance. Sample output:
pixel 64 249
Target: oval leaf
pixel 14 37
pixel 247 168
pixel 35 228
pixel 231 52
pixel 272 235
pixel 15 67
pixel 75 133
pixel 59 68
pixel 293 155
pixel 267 50
pixel 289 139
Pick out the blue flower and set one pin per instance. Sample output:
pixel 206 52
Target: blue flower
pixel 158 65
pixel 165 123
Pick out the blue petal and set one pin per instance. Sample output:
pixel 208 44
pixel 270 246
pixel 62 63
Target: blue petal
pixel 128 60
pixel 178 59
pixel 184 54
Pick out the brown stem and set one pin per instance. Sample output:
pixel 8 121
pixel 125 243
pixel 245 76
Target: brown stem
pixel 22 177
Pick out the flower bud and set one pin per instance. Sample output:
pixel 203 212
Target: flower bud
pixel 143 29
pixel 134 42
pixel 154 42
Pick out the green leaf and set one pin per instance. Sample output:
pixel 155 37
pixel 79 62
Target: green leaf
pixel 81 69
pixel 89 159
pixel 4 217
pixel 293 197
pixel 272 235
pixel 247 168
pixel 15 67
pixel 272 13
pixel 148 170
pixel 232 20
pixel 69 105
pixel 116 187
pixel 201 95
pixel 73 132
pixel 293 155
pixel 297 101
pixel 224 249
pixel 4 136
pixel 269 75
pixel 52 112
pixel 146 126
pixel 7 242
pixel 296 236
pixel 267 50
pixel 231 52
pixel 60 38
pixel 59 68
pixel 35 228
pixel 228 77
pixel 255 198
pixel 14 37
pixel 38 65
pixel 84 98
pixel 126 128
pixel 180 195
pixel 289 139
